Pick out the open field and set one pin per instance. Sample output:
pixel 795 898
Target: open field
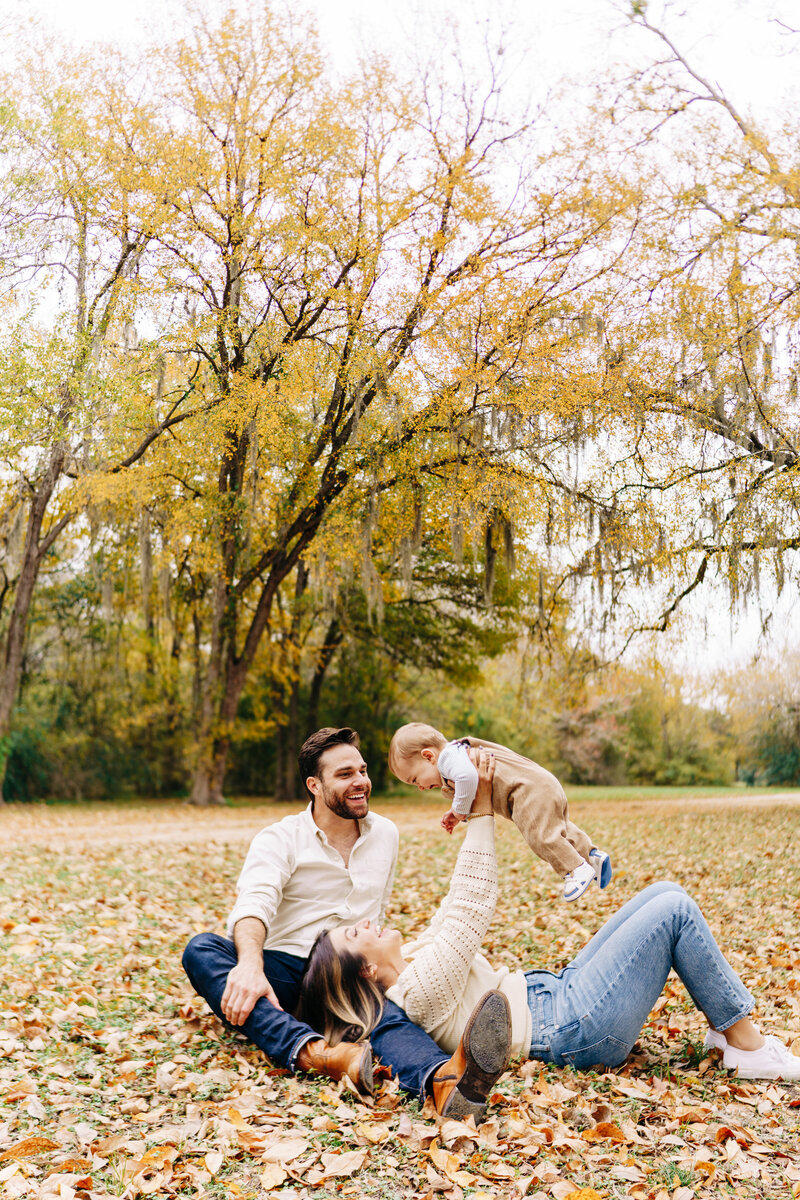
pixel 115 1081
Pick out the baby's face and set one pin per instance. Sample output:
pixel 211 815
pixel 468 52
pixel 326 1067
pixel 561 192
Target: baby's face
pixel 422 774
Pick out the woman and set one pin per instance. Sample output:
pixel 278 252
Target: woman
pixel 588 1014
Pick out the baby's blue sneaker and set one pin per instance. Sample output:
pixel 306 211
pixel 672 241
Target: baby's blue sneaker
pixel 602 866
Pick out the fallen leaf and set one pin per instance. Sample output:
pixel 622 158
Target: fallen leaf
pixel 605 1131
pixel 404 1126
pixel 442 1159
pixel 638 1091
pixel 213 1160
pixel 154 1161
pixel 273 1176
pixel 337 1165
pixel 109 1145
pixel 373 1132
pixel 29 1147
pixel 562 1189
pixel 71 1166
pixel 497 1170
pixel 285 1150
pixel 629 1174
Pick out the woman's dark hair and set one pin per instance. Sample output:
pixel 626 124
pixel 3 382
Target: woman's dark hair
pixel 315 746
pixel 337 996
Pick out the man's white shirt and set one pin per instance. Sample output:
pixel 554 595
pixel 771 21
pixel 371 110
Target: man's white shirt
pixel 295 882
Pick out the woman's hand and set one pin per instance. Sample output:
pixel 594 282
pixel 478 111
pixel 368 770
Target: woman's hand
pixel 482 804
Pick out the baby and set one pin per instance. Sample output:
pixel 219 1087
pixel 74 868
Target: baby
pixel 522 791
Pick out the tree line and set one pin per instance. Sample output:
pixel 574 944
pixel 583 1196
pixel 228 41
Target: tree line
pixel 318 391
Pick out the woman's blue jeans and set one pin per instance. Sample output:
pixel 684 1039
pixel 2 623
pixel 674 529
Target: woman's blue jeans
pixel 592 1012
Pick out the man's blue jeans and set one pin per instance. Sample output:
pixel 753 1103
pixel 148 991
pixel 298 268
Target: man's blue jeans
pixel 397 1041
pixel 592 1011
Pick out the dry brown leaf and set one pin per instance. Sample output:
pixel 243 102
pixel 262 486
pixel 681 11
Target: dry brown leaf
pixel 154 1160
pixel 497 1170
pixel 250 1139
pixel 443 1160
pixel 630 1174
pixel 213 1160
pixel 347 1163
pixel 404 1126
pixel 285 1150
pixel 605 1131
pixel 449 1131
pixel 273 1176
pixel 374 1132
pixel 71 1166
pixel 637 1091
pixel 109 1145
pixel 29 1147
pixel 562 1188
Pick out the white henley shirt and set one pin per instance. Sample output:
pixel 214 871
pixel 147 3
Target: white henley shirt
pixel 296 883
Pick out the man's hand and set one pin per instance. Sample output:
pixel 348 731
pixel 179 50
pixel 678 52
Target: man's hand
pixel 246 984
pixel 450 820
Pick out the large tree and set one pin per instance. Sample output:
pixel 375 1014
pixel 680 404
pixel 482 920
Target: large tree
pixel 699 473
pixel 380 278
pixel 75 224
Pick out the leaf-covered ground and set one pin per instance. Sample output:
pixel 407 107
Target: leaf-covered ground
pixel 115 1080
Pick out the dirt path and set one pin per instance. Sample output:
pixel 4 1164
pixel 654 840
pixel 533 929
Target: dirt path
pixel 177 824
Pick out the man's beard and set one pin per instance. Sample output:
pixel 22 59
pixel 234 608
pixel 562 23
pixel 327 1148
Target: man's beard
pixel 341 806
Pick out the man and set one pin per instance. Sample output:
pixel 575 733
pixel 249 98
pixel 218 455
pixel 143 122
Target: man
pixel 328 866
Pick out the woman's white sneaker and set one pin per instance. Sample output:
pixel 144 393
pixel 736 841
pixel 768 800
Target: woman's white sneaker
pixel 714 1040
pixel 773 1060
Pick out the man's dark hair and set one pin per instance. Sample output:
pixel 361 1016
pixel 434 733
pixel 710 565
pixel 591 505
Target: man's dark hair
pixel 315 746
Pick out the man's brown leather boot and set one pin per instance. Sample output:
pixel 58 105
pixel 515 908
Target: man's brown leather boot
pixel 462 1084
pixel 348 1058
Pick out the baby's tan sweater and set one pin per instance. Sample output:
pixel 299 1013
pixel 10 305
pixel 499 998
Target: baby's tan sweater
pixel 446 976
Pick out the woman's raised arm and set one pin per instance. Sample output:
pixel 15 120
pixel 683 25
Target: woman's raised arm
pixel 433 983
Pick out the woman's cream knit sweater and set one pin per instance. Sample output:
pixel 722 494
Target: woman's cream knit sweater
pixel 446 976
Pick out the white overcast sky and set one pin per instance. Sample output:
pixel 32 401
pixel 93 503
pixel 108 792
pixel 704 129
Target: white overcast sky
pixel 750 47
pixel 746 45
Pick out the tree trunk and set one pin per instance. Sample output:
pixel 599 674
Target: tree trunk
pixel 209 776
pixel 215 739
pixel 290 761
pixel 278 791
pixel 146 572
pixel 286 750
pixel 32 556
pixel 219 712
pixel 286 741
pixel 333 639
pixel 217 690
